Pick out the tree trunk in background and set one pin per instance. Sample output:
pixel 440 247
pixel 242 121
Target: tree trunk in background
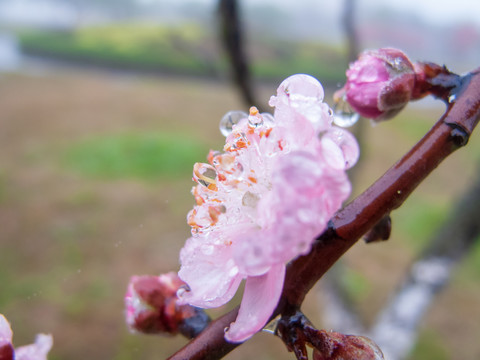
pixel 232 38
pixel 397 327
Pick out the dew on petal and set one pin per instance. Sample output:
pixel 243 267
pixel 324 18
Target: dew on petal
pixel 343 114
pixel 261 202
pixel 230 119
pixel 205 175
pixel 268 119
pixel 341 148
pixel 301 87
pixel 271 327
pixel 250 199
pixel 255 119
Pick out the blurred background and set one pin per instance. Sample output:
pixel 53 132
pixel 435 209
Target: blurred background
pixel 104 107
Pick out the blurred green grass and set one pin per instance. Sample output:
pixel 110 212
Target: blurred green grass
pixel 135 155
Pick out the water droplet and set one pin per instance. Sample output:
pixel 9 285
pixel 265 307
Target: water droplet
pixel 229 120
pixel 268 119
pixel 205 175
pixel 343 114
pixel 250 199
pixel 341 148
pixel 271 327
pixel 300 88
pixel 254 118
pixel 183 289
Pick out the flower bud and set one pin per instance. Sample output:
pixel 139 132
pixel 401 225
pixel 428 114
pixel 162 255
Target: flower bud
pixel 379 84
pixel 336 346
pixel 152 307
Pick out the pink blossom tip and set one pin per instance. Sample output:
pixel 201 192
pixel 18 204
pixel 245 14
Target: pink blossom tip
pixel 263 200
pixel 379 84
pixel 36 351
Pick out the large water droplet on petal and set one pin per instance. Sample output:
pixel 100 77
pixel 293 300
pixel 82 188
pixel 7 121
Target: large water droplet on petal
pixel 341 150
pixel 229 119
pixel 300 87
pixel 343 114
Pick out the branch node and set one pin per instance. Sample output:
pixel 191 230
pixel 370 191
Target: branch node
pixel 458 136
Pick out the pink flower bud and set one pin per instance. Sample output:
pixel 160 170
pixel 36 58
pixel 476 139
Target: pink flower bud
pixel 151 306
pixel 379 84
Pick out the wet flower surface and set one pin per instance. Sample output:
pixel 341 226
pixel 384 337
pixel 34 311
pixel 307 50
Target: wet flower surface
pixel 262 201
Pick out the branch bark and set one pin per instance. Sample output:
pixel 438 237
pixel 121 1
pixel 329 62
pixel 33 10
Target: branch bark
pixel 348 225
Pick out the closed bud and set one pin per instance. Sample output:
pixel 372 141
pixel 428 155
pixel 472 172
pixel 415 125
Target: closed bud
pixel 336 346
pixel 379 84
pixel 152 307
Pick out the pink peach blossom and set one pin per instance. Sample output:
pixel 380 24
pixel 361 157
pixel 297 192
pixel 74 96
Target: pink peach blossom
pixel 262 201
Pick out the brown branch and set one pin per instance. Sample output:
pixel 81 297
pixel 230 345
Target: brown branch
pixel 348 225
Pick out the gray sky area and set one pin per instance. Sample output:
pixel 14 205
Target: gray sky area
pixel 436 11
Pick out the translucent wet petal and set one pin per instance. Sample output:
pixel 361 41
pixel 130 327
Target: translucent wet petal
pixel 342 148
pixel 259 300
pixel 211 282
pixel 262 201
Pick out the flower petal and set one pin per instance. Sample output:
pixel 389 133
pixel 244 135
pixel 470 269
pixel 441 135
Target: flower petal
pixel 36 351
pixel 259 300
pixel 210 272
pixel 5 330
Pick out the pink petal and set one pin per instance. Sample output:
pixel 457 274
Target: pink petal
pixel 340 148
pixel 260 298
pixel 210 272
pixel 6 333
pixel 36 351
